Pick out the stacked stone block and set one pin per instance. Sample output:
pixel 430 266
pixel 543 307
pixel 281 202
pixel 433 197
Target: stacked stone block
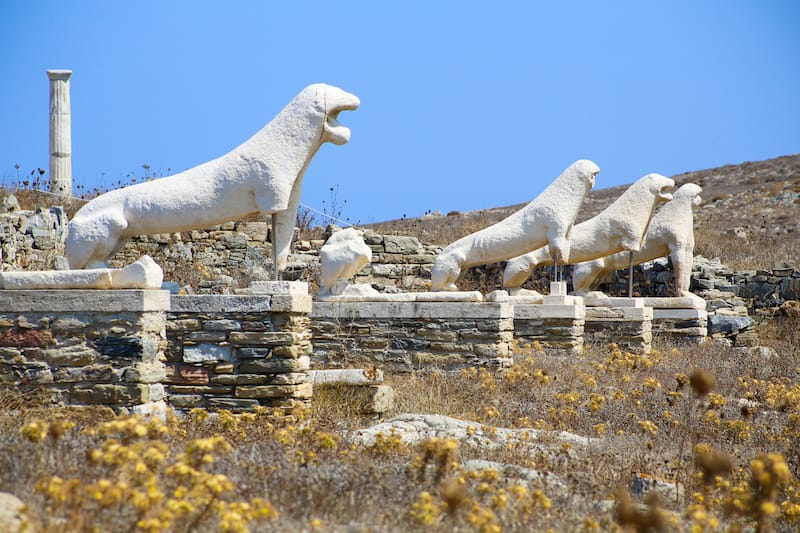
pixel 85 347
pixel 684 324
pixel 401 336
pixel 30 240
pixel 239 352
pixel 555 327
pixel 631 328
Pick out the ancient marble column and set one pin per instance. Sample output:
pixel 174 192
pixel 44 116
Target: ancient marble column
pixel 60 132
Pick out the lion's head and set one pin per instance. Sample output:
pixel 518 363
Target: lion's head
pixel 329 101
pixel 659 186
pixel 691 192
pixel 585 171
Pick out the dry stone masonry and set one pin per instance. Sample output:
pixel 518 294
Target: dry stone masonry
pixel 85 347
pixel 401 336
pixel 239 352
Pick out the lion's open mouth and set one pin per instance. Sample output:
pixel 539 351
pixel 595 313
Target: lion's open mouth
pixel 337 133
pixel 664 193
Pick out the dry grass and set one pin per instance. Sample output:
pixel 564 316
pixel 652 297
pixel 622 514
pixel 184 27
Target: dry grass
pixel 702 417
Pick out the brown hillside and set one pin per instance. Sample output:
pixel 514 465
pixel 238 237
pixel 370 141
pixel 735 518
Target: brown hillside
pixel 750 217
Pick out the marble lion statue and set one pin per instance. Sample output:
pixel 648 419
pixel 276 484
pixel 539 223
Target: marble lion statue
pixel 671 232
pixel 262 176
pixel 621 226
pixel 545 220
pixel 340 258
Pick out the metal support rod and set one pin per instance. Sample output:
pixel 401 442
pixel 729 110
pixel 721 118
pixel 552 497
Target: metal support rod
pixel 630 275
pixel 274 249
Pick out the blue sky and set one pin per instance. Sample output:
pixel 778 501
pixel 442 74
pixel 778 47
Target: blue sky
pixel 464 105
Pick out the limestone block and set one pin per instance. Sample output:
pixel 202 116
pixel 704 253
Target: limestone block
pixel 348 376
pixel 111 394
pixel 266 338
pixel 86 301
pixel 302 391
pixel 206 352
pixel 185 374
pixel 437 334
pixel 201 389
pixel 291 303
pixel 293 288
pixel 186 401
pixel 215 303
pixel 701 316
pixel 205 336
pixel 184 324
pixel 90 373
pixel 274 366
pixel 143 274
pixel 418 310
pixel 146 372
pixel 539 312
pixel 689 301
pixel 232 404
pixel 252 353
pixel 222 325
pixel 401 244
pixel 621 314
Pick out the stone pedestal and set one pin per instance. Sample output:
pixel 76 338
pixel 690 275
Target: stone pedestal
pixel 60 132
pixel 555 326
pixel 630 327
pixel 686 324
pixel 238 352
pixel 558 295
pixel 401 336
pixel 86 347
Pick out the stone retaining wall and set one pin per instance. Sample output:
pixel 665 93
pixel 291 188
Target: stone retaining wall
pixel 31 240
pixel 401 336
pixel 558 327
pixel 86 347
pixel 239 352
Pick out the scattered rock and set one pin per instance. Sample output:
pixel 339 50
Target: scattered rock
pixel 13 513
pixel 728 324
pixel 413 428
pixel 9 204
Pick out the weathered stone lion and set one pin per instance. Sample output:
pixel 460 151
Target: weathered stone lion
pixel 545 220
pixel 671 232
pixel 621 226
pixel 262 176
pixel 340 258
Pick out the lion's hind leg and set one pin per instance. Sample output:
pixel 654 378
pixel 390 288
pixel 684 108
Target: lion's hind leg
pixel 446 271
pixel 92 240
pixel 518 270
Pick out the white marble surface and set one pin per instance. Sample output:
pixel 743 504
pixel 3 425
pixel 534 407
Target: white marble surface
pixel 545 220
pixel 143 274
pixel 671 232
pixel 340 258
pixel 262 176
pixel 60 132
pixel 621 226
